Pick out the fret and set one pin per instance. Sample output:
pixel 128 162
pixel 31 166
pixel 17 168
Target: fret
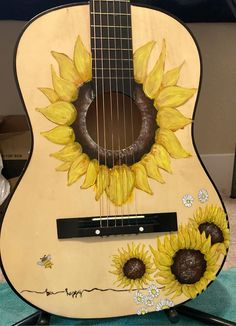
pixel 111 74
pixel 113 78
pixel 112 64
pixel 117 33
pixel 112 38
pixel 125 69
pixel 113 20
pixel 109 13
pixel 109 6
pixel 127 1
pixel 110 26
pixel 116 55
pixel 111 49
pixel 113 43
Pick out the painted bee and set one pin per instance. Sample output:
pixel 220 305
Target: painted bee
pixel 45 261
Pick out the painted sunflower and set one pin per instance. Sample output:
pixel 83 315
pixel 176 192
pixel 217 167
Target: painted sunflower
pixel 133 267
pixel 212 221
pixel 186 262
pixel 117 181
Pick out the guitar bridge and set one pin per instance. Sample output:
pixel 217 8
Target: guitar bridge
pixel 116 225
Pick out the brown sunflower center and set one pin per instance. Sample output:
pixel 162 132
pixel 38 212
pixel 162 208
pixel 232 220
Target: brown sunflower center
pixel 134 268
pixel 189 266
pixel 213 230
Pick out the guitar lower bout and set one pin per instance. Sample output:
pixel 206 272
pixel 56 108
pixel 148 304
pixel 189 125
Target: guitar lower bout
pixel 114 214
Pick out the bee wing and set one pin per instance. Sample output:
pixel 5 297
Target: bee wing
pixel 40 263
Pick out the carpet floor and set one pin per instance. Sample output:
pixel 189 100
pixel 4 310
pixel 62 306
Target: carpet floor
pixel 219 300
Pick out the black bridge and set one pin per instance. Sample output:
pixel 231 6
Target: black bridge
pixel 116 225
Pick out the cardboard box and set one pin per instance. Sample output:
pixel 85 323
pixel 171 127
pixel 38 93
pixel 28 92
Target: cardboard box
pixel 15 142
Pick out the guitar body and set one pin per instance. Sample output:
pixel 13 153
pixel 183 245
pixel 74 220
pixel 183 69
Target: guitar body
pixel 93 277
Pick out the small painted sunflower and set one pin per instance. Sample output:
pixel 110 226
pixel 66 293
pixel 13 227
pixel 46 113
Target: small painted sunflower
pixel 117 181
pixel 212 220
pixel 133 267
pixel 186 262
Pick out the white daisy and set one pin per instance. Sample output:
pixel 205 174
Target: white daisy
pixel 203 195
pixel 138 298
pixel 148 300
pixel 153 290
pixel 187 200
pixel 164 304
pixel 142 311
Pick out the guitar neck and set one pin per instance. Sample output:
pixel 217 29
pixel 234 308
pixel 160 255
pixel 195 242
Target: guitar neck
pixel 111 44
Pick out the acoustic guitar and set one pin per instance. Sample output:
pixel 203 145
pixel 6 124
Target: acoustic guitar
pixel 114 214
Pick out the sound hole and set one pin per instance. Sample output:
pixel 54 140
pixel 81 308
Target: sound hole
pixel 113 121
pixel 113 128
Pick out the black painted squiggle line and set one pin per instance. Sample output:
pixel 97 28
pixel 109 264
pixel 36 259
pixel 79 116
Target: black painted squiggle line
pixel 76 293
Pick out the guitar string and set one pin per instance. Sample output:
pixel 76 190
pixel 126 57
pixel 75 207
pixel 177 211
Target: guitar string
pixel 103 106
pixel 130 53
pixel 123 97
pixel 117 98
pixel 96 97
pixel 110 97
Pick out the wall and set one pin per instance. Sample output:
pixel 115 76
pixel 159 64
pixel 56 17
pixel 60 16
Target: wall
pixel 214 125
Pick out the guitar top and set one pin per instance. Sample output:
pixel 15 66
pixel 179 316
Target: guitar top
pixel 114 214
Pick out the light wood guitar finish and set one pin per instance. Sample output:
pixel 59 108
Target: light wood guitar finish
pixel 94 277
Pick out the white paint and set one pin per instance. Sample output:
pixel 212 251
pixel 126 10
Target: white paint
pixel 220 168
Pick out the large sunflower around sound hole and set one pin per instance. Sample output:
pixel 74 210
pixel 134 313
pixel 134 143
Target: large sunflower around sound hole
pixel 118 171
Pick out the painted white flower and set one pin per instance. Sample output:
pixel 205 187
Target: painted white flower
pixel 187 200
pixel 148 300
pixel 153 290
pixel 142 311
pixel 138 297
pixel 164 304
pixel 203 195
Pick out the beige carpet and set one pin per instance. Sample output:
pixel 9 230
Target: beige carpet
pixel 230 205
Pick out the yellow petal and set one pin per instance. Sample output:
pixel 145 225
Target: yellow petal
pixel 68 153
pixel 171 77
pixel 167 139
pixel 164 259
pixel 153 81
pixel 151 168
pixel 121 184
pixel 206 245
pixel 78 168
pixel 67 68
pixel 141 57
pixel 172 119
pixel 130 181
pixel 66 90
pixel 141 179
pixel 162 157
pixel 50 93
pixel 174 243
pixel 102 181
pixel 115 189
pixel 91 175
pixel 173 96
pixel 61 135
pixel 209 275
pixel 61 113
pixel 168 246
pixel 82 60
pixel 64 167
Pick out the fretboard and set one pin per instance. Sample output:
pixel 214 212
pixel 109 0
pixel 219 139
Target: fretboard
pixel 111 44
